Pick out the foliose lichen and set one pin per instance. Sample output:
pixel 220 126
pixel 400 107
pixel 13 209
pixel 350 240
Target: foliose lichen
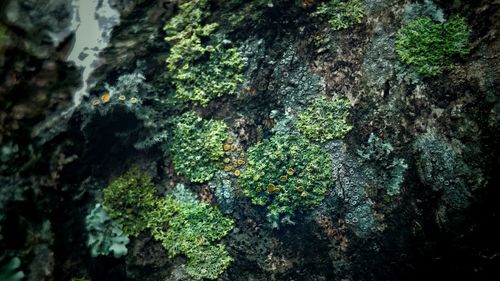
pixel 129 199
pixel 197 146
pixel 192 228
pixel 430 46
pixel 104 235
pixel 286 174
pixel 200 71
pixel 325 119
pixel 341 14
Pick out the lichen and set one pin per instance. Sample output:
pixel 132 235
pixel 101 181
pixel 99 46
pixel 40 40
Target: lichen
pixel 429 46
pixel 200 71
pixel 197 147
pixel 325 119
pixel 128 200
pixel 341 14
pixel 271 160
pixel 192 228
pixel 104 236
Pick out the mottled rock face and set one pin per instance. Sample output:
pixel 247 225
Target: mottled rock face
pixel 412 193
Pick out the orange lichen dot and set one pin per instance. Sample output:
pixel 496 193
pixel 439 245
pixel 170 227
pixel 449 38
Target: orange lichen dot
pixel 229 140
pixel 233 147
pixel 226 147
pixel 256 177
pixel 95 102
pixel 227 160
pixel 283 178
pixel 133 100
pixel 237 173
pixel 300 189
pixel 227 168
pixel 290 171
pixel 241 162
pixel 106 97
pixel 122 98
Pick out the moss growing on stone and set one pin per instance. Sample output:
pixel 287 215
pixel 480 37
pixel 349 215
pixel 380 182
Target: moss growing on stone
pixel 197 146
pixel 341 14
pixel 104 236
pixel 286 174
pixel 129 199
pixel 325 119
pixel 429 45
pixel 200 71
pixel 192 228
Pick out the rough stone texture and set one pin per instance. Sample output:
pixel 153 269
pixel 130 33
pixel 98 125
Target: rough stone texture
pixel 53 166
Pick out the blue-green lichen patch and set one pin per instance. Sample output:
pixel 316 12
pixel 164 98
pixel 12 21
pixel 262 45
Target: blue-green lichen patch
pixel 104 236
pixel 325 119
pixel 286 174
pixel 341 14
pixel 429 45
pixel 197 147
pixel 200 71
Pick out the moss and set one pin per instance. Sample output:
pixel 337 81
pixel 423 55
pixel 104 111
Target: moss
pixel 3 36
pixel 325 119
pixel 104 236
pixel 129 199
pixel 267 180
pixel 197 147
pixel 429 46
pixel 192 228
pixel 200 71
pixel 341 14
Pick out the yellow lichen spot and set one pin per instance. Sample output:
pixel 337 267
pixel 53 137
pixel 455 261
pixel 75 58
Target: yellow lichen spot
pixel 105 97
pixel 241 162
pixel 290 171
pixel 300 189
pixel 283 178
pixel 229 140
pixel 233 147
pixel 227 168
pixel 227 160
pixel 227 153
pixel 237 173
pixel 95 102
pixel 270 187
pixel 122 98
pixel 277 189
pixel 256 177
pixel 226 147
pixel 133 100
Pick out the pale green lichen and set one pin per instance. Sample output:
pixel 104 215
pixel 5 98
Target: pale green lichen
pixel 325 119
pixel 341 14
pixel 197 146
pixel 200 71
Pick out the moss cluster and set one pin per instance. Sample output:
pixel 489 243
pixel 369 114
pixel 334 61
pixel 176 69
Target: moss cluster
pixel 200 71
pixel 184 226
pixel 128 200
pixel 197 146
pixel 341 14
pixel 3 35
pixel 325 119
pixel 429 45
pixel 285 174
pixel 191 228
